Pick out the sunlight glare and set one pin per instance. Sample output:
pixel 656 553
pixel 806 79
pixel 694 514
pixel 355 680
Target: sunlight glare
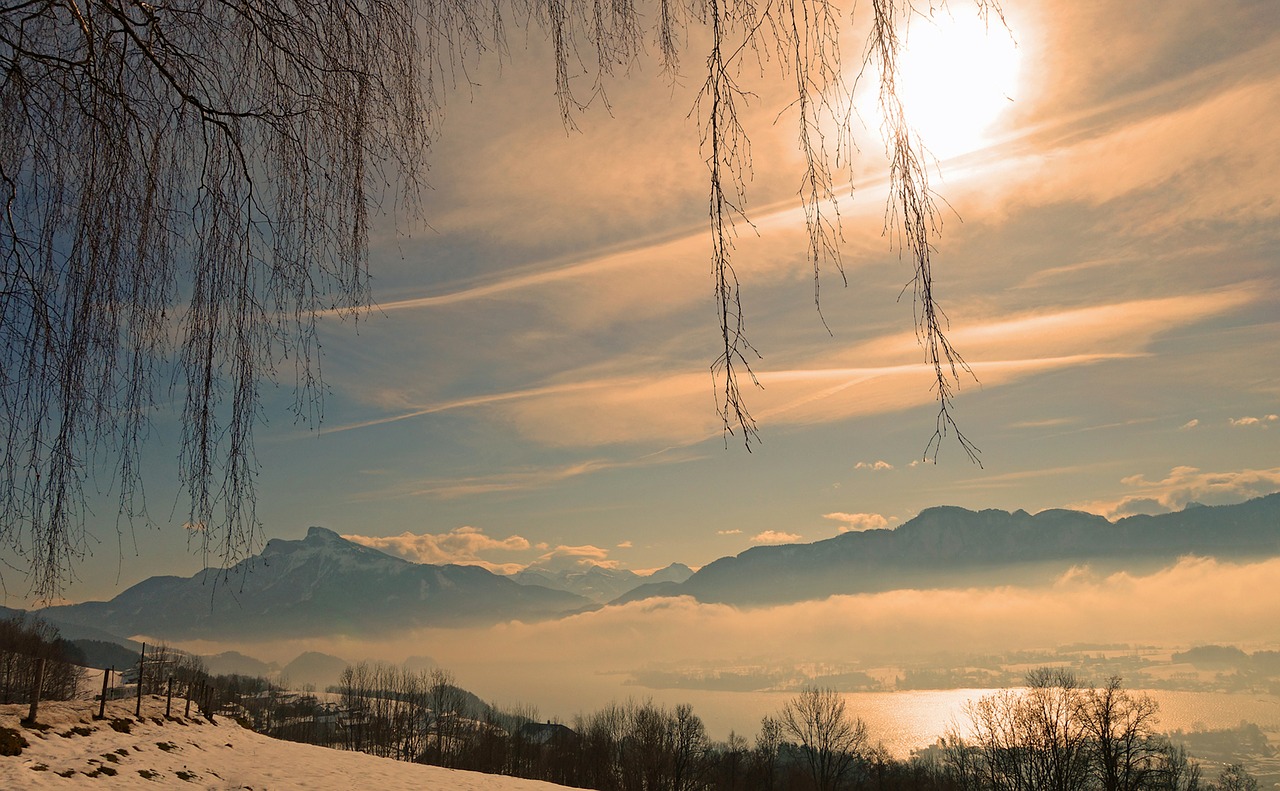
pixel 958 76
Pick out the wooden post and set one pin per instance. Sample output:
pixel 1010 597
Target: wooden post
pixel 106 682
pixel 142 660
pixel 35 692
pixel 187 713
pixel 168 699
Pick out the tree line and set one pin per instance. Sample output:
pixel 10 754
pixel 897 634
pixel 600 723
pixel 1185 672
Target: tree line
pixel 24 643
pixel 1056 734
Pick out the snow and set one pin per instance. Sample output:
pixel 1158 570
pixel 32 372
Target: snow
pixel 165 752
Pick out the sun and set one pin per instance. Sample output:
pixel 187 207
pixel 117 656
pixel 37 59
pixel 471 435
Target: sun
pixel 958 75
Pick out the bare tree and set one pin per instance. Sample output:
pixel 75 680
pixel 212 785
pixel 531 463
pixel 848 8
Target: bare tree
pixel 186 186
pixel 1055 731
pixel 1236 778
pixel 1121 728
pixel 1175 770
pixel 830 740
pixel 1031 740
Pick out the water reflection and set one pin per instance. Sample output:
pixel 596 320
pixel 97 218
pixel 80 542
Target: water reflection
pixel 904 721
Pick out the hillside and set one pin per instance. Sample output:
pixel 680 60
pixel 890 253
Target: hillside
pixel 70 749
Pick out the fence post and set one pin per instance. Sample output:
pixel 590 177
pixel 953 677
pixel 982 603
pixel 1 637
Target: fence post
pixel 35 692
pixel 168 698
pixel 187 713
pixel 142 662
pixel 106 682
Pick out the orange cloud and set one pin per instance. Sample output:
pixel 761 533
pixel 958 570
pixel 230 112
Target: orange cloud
pixel 858 522
pixel 1185 485
pixel 461 545
pixel 776 537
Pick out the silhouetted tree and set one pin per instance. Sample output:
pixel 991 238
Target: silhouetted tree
pixel 1236 778
pixel 1175 770
pixel 25 641
pixel 1121 729
pixel 830 740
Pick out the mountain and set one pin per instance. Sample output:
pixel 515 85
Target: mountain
pixel 314 668
pixel 320 585
pixel 597 583
pixel 948 546
pixel 235 663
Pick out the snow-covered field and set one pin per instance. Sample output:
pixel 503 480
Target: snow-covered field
pixel 70 749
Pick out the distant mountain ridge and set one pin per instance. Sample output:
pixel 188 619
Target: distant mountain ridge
pixel 598 583
pixel 948 545
pixel 319 585
pixel 324 585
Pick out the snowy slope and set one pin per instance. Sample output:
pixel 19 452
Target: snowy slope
pixel 193 753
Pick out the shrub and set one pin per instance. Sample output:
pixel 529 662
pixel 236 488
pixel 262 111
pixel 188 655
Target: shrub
pixel 12 742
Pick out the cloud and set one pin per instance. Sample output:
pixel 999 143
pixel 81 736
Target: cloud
pixel 517 480
pixel 461 545
pixel 776 537
pixel 858 522
pixel 574 558
pixel 860 380
pixel 1261 422
pixel 624 545
pixel 1046 423
pixel 728 532
pixel 1185 485
pixel 579 663
pixel 878 464
pixel 1190 164
pixel 1190 424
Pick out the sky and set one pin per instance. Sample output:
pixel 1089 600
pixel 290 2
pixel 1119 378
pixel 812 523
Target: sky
pixel 534 385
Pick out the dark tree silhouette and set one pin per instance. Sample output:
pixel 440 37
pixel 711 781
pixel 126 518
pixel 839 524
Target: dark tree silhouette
pixel 830 739
pixel 187 185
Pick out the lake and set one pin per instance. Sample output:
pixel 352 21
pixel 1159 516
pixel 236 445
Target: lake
pixel 904 721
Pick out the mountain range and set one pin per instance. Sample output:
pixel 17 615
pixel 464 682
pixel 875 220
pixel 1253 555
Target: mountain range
pixel 321 584
pixel 948 546
pixel 598 583
pixel 326 585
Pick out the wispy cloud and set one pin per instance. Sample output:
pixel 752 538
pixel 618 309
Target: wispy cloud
pixel 1011 479
pixel 1051 422
pixel 516 480
pixel 1188 159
